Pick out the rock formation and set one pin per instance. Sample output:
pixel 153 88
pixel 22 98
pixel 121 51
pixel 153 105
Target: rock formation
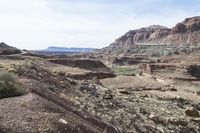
pixel 186 33
pixel 8 50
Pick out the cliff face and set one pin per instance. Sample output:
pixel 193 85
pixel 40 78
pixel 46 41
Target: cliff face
pixel 184 33
pixel 8 50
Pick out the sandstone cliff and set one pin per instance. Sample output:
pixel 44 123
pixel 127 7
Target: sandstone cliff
pixel 186 33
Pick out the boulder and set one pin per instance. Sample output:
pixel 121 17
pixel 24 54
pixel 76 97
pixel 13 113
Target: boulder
pixel 108 96
pixel 158 119
pixel 63 121
pixel 178 121
pixel 191 112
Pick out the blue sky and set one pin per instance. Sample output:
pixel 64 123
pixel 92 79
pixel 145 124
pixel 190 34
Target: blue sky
pixel 37 24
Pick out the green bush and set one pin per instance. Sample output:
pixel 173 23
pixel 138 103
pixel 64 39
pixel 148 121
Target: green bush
pixel 124 71
pixel 9 87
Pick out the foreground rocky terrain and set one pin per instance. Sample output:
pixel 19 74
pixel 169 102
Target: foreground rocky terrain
pixel 70 97
pixel 50 104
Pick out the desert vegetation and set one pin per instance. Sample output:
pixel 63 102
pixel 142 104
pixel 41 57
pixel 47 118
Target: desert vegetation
pixel 9 87
pixel 124 70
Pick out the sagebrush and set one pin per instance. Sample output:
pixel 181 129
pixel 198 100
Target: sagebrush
pixel 9 87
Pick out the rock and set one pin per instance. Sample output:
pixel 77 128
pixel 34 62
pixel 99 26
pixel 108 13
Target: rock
pixel 97 81
pixel 180 99
pixel 145 96
pixel 160 129
pixel 158 119
pixel 187 130
pixel 140 129
pixel 192 24
pixel 63 121
pixel 125 92
pixel 197 120
pixel 94 93
pixel 197 93
pixel 108 91
pixel 172 89
pixel 108 96
pixel 178 122
pixel 144 111
pixel 179 28
pixel 160 80
pixel 131 110
pixel 61 73
pixel 192 112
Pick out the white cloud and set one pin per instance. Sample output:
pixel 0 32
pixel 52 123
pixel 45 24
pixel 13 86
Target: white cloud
pixel 37 24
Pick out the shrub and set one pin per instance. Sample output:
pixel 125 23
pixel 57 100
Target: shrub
pixel 1 65
pixel 9 87
pixel 194 70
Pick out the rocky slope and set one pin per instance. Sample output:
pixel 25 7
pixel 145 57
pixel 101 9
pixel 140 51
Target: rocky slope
pixel 88 64
pixel 7 50
pixel 165 102
pixel 185 35
pixel 50 105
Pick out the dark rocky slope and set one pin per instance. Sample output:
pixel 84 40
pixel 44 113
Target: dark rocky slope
pixel 88 64
pixel 8 50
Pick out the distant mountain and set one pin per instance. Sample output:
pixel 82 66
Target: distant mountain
pixel 73 50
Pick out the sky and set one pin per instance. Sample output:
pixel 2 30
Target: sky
pixel 37 24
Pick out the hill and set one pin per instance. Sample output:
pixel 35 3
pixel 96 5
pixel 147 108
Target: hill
pixel 156 39
pixel 8 50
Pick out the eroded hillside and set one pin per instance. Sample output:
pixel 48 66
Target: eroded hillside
pixel 61 98
pixel 158 40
